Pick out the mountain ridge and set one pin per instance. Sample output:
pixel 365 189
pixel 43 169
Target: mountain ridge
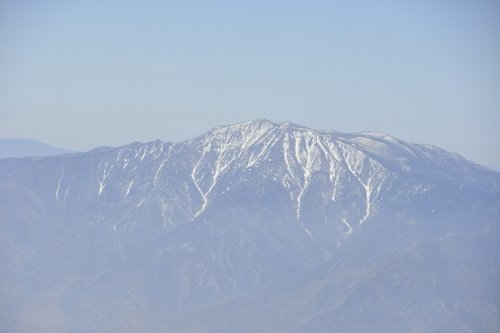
pixel 310 225
pixel 19 148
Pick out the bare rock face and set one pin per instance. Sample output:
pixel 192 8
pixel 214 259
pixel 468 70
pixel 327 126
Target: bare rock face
pixel 253 227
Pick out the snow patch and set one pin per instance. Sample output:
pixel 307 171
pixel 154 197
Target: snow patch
pixel 129 186
pixel 59 184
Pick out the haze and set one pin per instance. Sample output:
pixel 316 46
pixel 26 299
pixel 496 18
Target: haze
pixel 80 74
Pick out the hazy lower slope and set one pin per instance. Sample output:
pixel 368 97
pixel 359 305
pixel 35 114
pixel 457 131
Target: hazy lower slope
pixel 253 227
pixel 28 148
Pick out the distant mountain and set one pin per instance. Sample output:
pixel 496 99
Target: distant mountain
pixel 253 227
pixel 28 148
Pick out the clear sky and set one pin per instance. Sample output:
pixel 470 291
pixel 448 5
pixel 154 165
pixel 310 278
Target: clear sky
pixel 78 74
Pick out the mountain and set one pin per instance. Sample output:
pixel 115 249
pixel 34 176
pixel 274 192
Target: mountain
pixel 28 148
pixel 252 227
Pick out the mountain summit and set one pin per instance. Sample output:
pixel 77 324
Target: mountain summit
pixel 252 227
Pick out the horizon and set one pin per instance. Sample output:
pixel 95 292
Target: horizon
pixel 85 74
pixel 278 124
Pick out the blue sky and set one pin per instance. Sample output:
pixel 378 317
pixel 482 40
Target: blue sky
pixel 79 74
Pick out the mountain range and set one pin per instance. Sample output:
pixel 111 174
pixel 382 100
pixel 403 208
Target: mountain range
pixel 28 148
pixel 251 227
